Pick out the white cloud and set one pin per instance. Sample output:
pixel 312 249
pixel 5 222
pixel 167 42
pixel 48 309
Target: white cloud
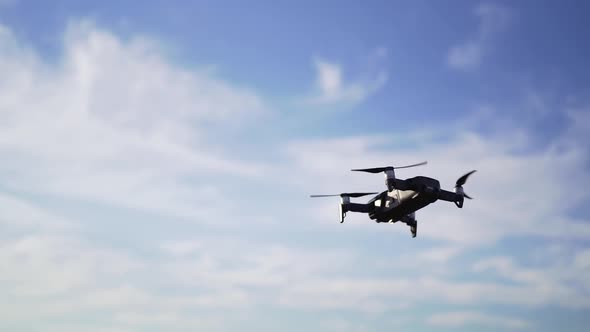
pixel 439 254
pixel 582 260
pixel 233 274
pixel 333 88
pixel 56 278
pixel 42 265
pixel 24 216
pixel 342 325
pixel 99 126
pixel 376 295
pixel 461 318
pixel 550 280
pixel 504 267
pixel 465 56
pixel 329 78
pixel 320 279
pixel 113 121
pixel 469 55
pixel 266 264
pixel 109 121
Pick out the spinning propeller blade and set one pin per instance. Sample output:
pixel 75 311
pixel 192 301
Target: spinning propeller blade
pixel 345 194
pixel 461 181
pixel 382 169
pixel 408 166
pixel 372 170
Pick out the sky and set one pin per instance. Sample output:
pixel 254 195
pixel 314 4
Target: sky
pixel 158 157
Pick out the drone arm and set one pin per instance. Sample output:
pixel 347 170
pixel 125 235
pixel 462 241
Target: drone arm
pixel 401 184
pixel 450 196
pixel 446 195
pixel 355 207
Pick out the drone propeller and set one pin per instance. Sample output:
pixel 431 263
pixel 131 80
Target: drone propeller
pixel 461 181
pixel 345 195
pixel 386 168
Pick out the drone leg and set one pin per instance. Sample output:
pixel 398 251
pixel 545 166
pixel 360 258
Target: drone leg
pixel 411 221
pixel 353 207
pixel 414 227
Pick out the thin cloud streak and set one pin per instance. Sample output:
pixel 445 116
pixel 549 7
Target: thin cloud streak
pixel 115 123
pixel 332 87
pixel 470 54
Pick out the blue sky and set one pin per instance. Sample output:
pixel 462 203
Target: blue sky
pixel 157 160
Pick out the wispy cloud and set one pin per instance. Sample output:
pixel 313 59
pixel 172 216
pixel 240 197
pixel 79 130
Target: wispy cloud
pixel 461 318
pixel 112 122
pixel 342 325
pixel 333 88
pixel 469 55
pixel 549 279
pixel 115 122
pixel 23 216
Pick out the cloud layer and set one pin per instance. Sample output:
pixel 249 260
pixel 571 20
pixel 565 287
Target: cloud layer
pixel 114 122
pixel 469 55
pixel 333 88
pixel 131 139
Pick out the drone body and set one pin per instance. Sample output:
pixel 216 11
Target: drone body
pixel 402 198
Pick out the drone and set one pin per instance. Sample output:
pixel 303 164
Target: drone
pixel 402 198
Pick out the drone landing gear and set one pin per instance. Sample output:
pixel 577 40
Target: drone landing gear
pixel 353 207
pixel 413 227
pixel 413 223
